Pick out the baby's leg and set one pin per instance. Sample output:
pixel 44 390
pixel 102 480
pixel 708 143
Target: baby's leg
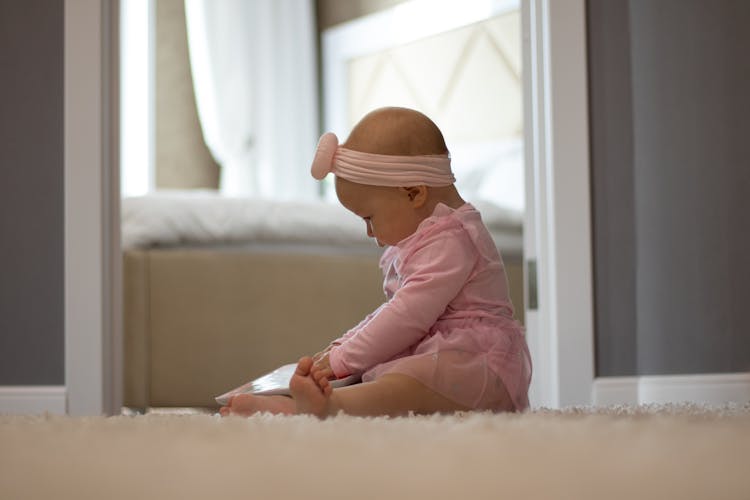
pixel 390 395
pixel 248 404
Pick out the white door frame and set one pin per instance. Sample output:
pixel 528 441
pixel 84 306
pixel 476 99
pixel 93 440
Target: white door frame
pixel 93 369
pixel 557 224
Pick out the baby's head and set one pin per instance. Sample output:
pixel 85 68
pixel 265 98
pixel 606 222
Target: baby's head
pixel 396 131
pixel 392 170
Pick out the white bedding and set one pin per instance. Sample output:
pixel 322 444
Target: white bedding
pixel 171 218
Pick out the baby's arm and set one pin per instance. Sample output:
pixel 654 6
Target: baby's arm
pixel 339 341
pixel 324 352
pixel 354 330
pixel 433 275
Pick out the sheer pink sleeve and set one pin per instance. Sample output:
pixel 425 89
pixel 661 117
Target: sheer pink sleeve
pixel 355 329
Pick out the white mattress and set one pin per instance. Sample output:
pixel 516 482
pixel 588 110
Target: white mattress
pixel 177 218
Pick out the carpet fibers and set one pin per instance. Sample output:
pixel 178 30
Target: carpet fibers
pixel 680 452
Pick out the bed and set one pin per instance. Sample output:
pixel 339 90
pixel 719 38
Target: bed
pixel 219 290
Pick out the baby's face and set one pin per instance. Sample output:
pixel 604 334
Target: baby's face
pixel 387 211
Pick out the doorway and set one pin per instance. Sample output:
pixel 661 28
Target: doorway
pixel 556 212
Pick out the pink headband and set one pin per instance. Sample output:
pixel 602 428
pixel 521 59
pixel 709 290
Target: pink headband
pixel 380 170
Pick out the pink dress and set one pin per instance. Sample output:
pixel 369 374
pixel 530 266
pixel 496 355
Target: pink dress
pixel 448 321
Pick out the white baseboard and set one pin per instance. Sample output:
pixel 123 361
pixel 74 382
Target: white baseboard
pixel 32 399
pixel 615 391
pixel 712 389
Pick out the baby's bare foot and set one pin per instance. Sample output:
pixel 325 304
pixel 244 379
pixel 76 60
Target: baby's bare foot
pixel 309 397
pixel 249 404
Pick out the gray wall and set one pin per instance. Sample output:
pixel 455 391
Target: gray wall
pixel 31 193
pixel 670 121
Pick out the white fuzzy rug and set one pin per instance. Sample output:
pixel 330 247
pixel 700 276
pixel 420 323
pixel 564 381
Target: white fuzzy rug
pixel 680 452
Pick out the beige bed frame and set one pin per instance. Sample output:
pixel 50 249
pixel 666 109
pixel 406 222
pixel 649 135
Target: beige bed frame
pixel 198 322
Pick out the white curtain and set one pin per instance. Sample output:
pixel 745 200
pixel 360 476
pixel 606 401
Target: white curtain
pixel 254 73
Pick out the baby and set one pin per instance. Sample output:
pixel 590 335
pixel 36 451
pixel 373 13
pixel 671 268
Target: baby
pixel 445 340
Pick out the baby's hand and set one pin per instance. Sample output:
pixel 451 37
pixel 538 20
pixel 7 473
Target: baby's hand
pixel 323 364
pixel 322 372
pixel 322 353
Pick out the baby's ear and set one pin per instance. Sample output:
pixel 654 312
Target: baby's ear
pixel 417 195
